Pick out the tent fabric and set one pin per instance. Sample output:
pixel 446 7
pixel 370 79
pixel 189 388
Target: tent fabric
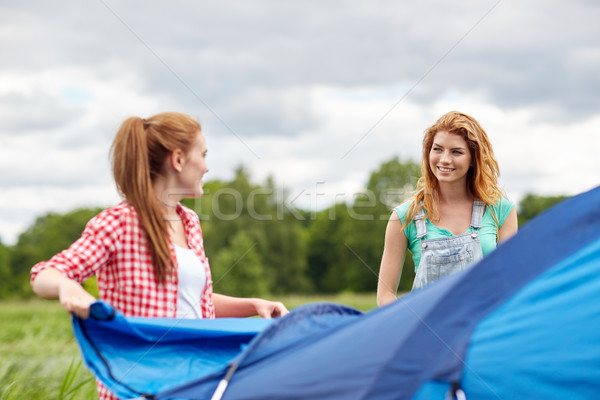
pixel 523 323
pixel 135 357
pixel 139 357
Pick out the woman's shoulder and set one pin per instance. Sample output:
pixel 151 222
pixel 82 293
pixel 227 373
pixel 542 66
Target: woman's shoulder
pixel 504 203
pixel 503 207
pixel 402 210
pixel 121 209
pixel 112 216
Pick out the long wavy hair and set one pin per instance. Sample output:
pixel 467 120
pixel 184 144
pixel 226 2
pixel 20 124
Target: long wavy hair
pixel 482 177
pixel 138 153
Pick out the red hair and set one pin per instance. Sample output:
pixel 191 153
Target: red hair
pixel 482 178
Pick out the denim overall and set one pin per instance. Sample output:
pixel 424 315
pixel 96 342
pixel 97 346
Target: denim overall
pixel 443 256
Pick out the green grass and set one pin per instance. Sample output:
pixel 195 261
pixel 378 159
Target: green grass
pixel 363 302
pixel 40 359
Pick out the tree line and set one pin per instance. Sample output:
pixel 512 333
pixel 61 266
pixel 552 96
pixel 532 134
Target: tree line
pixel 260 244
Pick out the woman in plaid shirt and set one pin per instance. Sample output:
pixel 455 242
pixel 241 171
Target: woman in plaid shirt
pixel 147 252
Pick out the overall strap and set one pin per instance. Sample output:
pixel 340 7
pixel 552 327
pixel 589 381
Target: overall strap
pixel 421 223
pixel 477 214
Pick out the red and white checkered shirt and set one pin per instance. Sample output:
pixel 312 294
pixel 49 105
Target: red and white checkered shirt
pixel 113 247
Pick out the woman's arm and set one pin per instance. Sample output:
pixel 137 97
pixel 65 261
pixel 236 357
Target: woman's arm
pixel 509 227
pixel 227 306
pixel 60 277
pixel 392 261
pixel 51 284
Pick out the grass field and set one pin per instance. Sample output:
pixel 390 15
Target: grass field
pixel 39 358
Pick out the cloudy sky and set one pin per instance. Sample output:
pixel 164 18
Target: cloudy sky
pixel 315 93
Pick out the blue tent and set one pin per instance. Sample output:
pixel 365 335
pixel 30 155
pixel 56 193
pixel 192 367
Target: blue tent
pixel 523 323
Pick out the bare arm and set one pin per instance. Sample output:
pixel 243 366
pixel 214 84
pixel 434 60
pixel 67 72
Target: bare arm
pixel 227 306
pixel 51 284
pixel 509 227
pixel 392 260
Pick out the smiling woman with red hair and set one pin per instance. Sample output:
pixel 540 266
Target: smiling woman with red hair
pixel 458 213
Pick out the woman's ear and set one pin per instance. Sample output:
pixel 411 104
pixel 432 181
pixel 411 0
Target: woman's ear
pixel 177 159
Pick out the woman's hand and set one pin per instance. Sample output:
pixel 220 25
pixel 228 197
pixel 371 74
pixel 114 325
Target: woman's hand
pixel 75 299
pixel 241 307
pixel 51 284
pixel 270 309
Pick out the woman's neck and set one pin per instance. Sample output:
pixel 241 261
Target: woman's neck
pixel 454 194
pixel 167 199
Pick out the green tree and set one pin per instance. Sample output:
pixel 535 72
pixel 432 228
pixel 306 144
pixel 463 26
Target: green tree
pixel 390 185
pixel 237 269
pixel 328 256
pixel 346 241
pixel 394 181
pixel 284 256
pixel 5 272
pixel 532 205
pixel 49 235
pixel 276 229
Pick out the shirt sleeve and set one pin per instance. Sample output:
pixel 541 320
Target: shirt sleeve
pixel 503 209
pixel 414 244
pixel 402 210
pixel 90 252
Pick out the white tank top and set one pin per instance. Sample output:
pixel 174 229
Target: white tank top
pixel 192 281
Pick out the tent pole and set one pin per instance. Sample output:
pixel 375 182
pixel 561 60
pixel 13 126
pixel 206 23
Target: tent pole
pixel 222 386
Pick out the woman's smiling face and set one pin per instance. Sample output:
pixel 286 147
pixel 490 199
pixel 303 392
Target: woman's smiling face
pixel 449 158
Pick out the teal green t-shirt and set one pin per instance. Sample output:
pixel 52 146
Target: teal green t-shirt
pixel 487 233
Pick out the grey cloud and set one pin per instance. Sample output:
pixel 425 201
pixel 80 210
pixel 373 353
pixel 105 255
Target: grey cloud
pixel 210 53
pixel 254 111
pixel 527 64
pixel 39 115
pixel 35 112
pixel 45 174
